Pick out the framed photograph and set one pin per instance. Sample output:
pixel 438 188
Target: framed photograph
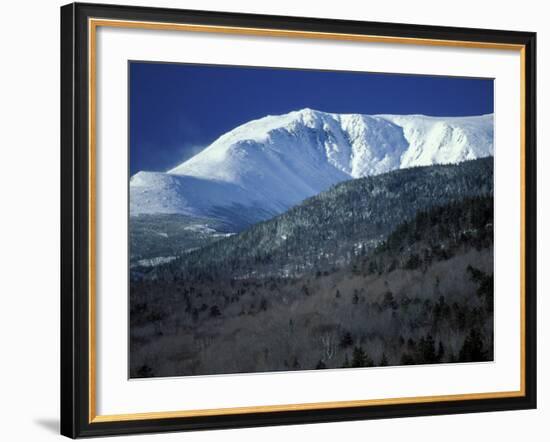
pixel 279 220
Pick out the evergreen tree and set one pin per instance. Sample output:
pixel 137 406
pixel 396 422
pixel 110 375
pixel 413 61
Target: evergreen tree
pixel 472 349
pixel 485 289
pixel 346 340
pixel 440 352
pixel 320 365
pixel 407 359
pixel 426 350
pixel 346 362
pixel 361 358
pixel 358 358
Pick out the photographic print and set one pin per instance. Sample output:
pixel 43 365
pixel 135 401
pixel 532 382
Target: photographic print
pixel 290 219
pixel 272 204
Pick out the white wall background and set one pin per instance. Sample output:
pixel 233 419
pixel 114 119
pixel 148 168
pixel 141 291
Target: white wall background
pixel 29 221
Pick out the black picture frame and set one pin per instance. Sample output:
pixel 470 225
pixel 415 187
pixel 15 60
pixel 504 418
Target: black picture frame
pixel 75 221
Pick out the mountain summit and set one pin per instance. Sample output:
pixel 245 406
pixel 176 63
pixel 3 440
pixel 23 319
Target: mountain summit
pixel 265 166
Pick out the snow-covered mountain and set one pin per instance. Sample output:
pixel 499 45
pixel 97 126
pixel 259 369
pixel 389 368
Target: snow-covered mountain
pixel 265 166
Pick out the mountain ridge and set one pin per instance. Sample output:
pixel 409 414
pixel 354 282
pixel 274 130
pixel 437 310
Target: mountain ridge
pixel 267 165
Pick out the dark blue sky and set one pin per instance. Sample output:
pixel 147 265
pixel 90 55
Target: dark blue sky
pixel 177 109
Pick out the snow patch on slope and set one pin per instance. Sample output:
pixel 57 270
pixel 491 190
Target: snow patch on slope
pixel 434 140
